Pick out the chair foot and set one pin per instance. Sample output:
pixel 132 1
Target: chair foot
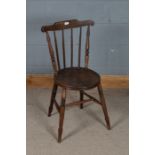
pixel 81 106
pixel 108 124
pixel 50 110
pixel 61 120
pixel 59 135
pixel 49 113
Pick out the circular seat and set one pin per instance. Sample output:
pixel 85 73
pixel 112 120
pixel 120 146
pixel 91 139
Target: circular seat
pixel 77 78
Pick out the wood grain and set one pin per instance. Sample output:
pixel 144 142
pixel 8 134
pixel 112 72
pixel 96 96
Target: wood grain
pixel 39 81
pixel 46 81
pixel 114 81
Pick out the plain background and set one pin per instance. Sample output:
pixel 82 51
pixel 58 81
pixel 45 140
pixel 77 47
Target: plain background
pixel 109 38
pixel 13 77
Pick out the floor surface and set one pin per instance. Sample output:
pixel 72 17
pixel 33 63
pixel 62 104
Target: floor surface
pixel 84 130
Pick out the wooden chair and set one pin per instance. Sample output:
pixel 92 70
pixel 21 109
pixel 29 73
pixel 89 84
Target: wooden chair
pixel 74 78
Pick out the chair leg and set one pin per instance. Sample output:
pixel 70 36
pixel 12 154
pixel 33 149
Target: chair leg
pixel 104 107
pixel 81 98
pixel 62 112
pixel 52 100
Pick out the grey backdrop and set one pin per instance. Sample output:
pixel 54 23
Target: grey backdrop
pixel 109 36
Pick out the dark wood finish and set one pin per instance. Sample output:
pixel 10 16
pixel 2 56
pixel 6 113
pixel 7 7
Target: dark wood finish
pixel 57 106
pixel 61 26
pixel 56 49
pixel 52 100
pixel 67 24
pixel 75 78
pixel 63 47
pixel 62 113
pixel 81 99
pixel 87 47
pixel 51 51
pixel 104 107
pixel 71 47
pixel 79 58
pixel 75 103
pixel 91 97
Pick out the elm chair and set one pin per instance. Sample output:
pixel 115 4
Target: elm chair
pixel 73 77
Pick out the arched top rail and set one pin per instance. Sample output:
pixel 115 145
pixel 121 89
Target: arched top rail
pixel 67 24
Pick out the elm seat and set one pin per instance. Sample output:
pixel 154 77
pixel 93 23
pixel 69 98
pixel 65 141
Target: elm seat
pixel 77 78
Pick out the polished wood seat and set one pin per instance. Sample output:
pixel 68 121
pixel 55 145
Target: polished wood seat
pixel 77 78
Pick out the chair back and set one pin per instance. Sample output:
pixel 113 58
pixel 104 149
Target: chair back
pixel 54 48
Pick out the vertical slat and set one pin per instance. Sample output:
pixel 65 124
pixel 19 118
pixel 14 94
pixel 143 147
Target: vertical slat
pixel 63 49
pixel 56 48
pixel 71 47
pixel 79 57
pixel 87 47
pixel 51 52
